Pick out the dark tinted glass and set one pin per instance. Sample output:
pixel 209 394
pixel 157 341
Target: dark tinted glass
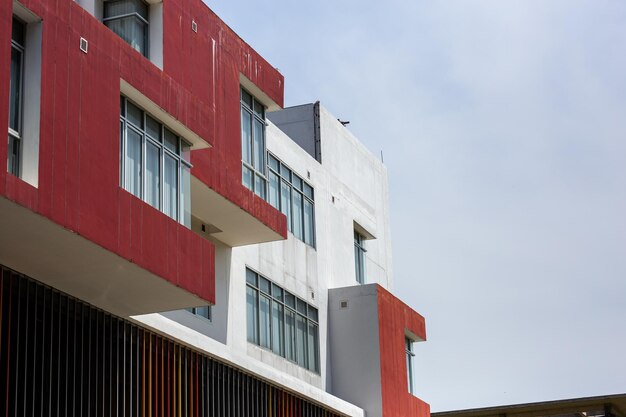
pixel 17 32
pixel 246 98
pixel 290 300
pixel 301 307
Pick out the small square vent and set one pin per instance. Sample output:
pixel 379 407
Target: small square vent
pixel 84 45
pixel 194 26
pixel 343 304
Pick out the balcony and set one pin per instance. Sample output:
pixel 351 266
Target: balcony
pixel 370 325
pixel 34 245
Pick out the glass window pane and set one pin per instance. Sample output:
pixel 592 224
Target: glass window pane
pixel 309 223
pixel 259 186
pixel 313 347
pixel 17 32
pixel 134 114
pixel 301 306
pixel 285 202
pixel 297 182
pixel 204 311
pixel 252 314
pixel 251 277
pixel 121 7
pixel 285 173
pixel 290 300
pixel 273 163
pixel 264 285
pixel 171 141
pixel 277 329
pixel 122 106
pixel 313 313
pixel 297 215
pixel 259 110
pixel 264 321
pixel 185 196
pixel 301 341
pixel 408 372
pixel 153 175
pixel 308 191
pixel 274 193
pixel 132 164
pixel 15 90
pixel 259 146
pixel 132 30
pixel 359 257
pixel 153 128
pixel 246 137
pixel 13 161
pixel 290 335
pixel 185 151
pixel 277 292
pixel 247 176
pixel 246 98
pixel 170 187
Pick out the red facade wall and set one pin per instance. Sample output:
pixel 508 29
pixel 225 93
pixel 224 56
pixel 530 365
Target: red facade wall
pixel 79 137
pixel 394 317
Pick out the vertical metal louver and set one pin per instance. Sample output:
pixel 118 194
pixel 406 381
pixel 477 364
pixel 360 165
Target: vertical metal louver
pixel 62 357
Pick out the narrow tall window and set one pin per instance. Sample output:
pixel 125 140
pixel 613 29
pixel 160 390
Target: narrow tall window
pixel 408 343
pixel 129 20
pixel 16 102
pixel 294 198
pixel 253 144
pixel 359 257
pixel 154 163
pixel 281 322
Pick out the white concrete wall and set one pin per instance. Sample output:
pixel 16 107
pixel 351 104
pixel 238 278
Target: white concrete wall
pixel 354 347
pixel 350 187
pixel 360 184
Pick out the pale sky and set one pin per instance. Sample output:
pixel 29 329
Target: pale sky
pixel 503 126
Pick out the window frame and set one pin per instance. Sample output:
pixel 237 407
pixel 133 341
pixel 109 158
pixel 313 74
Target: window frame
pixel 409 354
pixel 359 257
pixel 287 176
pixel 256 172
pixel 181 157
pixel 194 311
pixel 136 15
pixel 278 295
pixel 15 137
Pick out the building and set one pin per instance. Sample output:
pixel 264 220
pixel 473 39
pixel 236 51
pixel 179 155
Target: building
pixel 172 241
pixel 601 406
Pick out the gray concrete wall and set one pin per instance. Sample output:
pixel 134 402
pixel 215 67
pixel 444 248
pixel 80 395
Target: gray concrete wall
pixel 300 124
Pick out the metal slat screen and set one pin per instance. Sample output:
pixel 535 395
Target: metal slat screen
pixel 62 357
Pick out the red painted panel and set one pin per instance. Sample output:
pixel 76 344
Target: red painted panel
pixel 79 139
pixel 394 317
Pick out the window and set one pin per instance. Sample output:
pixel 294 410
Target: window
pixel 154 163
pixel 253 144
pixel 408 343
pixel 24 95
pixel 281 322
pixel 16 106
pixel 359 257
pixel 294 198
pixel 129 20
pixel 204 312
